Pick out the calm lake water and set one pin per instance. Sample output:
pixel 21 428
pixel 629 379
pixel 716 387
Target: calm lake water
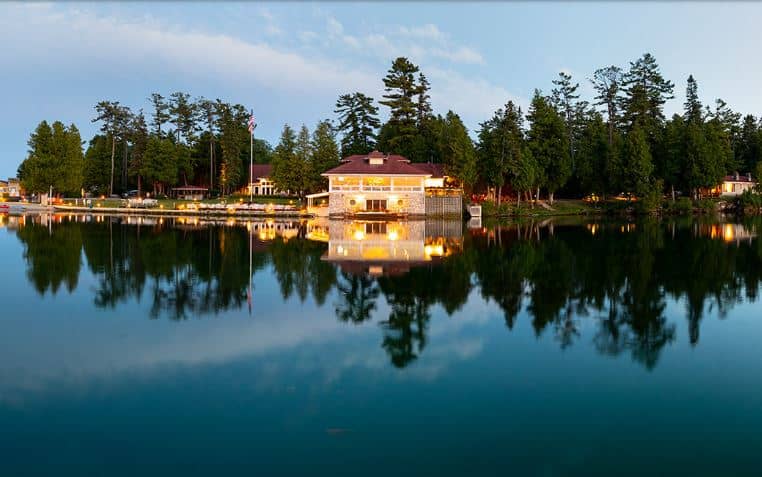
pixel 146 347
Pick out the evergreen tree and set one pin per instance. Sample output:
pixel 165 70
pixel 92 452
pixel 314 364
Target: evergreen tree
pixel 548 142
pixel 607 83
pixel 645 92
pixel 234 142
pixel 358 123
pixel 672 168
pixel 749 147
pixel 693 109
pixel 114 118
pixel 325 154
pixel 206 111
pixel 139 139
pixel 160 112
pixel 54 159
pixel 500 147
pixel 73 164
pixel 285 173
pixel 593 153
pixel 302 164
pixel 566 101
pixel 457 151
pixel 637 162
pixel 423 104
pixel 404 99
pixel 182 112
pixel 160 164
pixel 97 160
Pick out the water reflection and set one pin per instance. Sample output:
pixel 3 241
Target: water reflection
pixel 607 283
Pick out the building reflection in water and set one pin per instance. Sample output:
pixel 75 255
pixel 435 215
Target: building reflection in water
pixel 386 247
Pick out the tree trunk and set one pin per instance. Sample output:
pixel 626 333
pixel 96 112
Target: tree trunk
pixel 498 193
pixel 140 185
pixel 673 193
pixel 550 197
pixel 518 199
pixel 113 151
pixel 537 197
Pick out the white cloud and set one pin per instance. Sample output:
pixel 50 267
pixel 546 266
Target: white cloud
pixel 86 36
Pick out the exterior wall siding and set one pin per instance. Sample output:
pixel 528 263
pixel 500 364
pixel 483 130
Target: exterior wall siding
pixel 447 206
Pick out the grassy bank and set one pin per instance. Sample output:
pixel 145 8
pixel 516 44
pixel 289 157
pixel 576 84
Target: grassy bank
pixel 178 204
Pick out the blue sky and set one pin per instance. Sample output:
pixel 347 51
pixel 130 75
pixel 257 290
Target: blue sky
pixel 289 61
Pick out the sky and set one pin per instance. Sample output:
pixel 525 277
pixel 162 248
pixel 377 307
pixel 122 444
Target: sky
pixel 290 61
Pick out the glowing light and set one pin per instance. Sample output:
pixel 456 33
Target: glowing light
pixel 359 235
pixel 728 233
pixel 393 235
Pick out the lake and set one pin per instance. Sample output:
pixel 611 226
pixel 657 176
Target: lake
pixel 147 346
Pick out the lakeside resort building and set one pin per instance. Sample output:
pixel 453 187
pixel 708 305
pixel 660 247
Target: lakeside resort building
pixel 386 184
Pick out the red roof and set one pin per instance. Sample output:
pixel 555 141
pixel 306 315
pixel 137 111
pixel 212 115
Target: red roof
pixel 436 170
pixel 738 178
pixel 263 171
pixel 391 165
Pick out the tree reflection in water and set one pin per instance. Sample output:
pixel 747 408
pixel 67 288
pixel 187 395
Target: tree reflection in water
pixel 618 275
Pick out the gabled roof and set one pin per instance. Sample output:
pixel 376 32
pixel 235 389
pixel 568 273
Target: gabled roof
pixel 261 171
pixel 390 165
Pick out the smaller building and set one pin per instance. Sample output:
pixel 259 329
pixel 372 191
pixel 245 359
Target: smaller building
pixel 190 192
pixel 736 184
pixel 261 182
pixel 3 188
pixel 14 187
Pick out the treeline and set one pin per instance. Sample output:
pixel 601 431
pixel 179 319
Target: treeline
pixel 619 141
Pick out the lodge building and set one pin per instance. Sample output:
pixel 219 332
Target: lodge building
pixel 387 184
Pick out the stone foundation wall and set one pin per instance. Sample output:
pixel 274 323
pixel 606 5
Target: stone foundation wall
pixel 446 206
pixel 412 203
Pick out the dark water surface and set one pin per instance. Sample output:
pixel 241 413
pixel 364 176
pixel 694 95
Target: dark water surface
pixel 417 348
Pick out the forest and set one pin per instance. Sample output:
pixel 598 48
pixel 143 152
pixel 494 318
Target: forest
pixel 617 142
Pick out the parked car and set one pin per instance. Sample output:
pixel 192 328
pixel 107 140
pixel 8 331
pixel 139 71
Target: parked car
pixel 130 194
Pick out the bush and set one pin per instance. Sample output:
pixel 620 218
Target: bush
pixel 749 201
pixel 706 205
pixel 682 206
pixel 489 208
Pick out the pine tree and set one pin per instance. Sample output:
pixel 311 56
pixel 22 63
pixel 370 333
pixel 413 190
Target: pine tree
pixel 693 108
pixel 566 101
pixel 500 147
pixel 749 147
pixel 182 112
pixel 96 168
pixel 593 151
pixel 160 112
pixel 285 175
pixel 139 140
pixel 547 139
pixel 325 154
pixel 423 104
pixel 457 150
pixel 637 162
pixel 402 98
pixel 358 123
pixel 206 111
pixel 54 159
pixel 114 118
pixel 303 162
pixel 645 92
pixel 607 83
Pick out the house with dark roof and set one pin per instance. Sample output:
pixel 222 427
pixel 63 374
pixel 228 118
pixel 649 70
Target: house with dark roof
pixel 736 184
pixel 261 180
pixel 378 183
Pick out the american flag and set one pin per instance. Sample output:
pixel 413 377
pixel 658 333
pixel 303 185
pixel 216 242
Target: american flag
pixel 252 123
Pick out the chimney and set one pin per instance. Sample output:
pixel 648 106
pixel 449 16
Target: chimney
pixel 736 176
pixel 749 176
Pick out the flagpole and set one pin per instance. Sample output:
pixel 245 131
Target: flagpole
pixel 250 298
pixel 251 162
